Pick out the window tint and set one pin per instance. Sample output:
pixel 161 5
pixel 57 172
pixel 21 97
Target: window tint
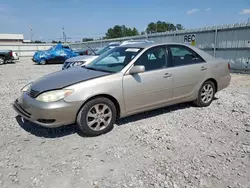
pixel 153 58
pixel 182 55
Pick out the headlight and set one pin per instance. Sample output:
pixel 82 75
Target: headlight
pixel 53 96
pixel 78 63
pixel 75 63
pixel 26 88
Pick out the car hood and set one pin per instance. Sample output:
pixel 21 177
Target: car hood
pixel 61 79
pixel 81 58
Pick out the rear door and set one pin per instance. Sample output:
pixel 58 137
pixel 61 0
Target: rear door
pixel 188 69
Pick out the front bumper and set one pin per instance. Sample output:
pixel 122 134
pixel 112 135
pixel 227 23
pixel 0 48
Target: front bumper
pixel 49 115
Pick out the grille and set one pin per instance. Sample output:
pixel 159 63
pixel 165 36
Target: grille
pixel 33 93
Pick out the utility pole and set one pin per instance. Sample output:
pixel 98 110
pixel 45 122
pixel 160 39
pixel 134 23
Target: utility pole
pixel 64 35
pixel 31 33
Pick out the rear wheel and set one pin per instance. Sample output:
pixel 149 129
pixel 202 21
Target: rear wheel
pixel 97 117
pixel 2 60
pixel 206 94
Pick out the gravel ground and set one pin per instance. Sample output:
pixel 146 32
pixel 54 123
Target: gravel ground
pixel 175 147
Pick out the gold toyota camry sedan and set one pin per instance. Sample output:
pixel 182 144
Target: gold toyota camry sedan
pixel 123 81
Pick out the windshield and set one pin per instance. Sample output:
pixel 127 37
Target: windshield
pixel 114 60
pixel 104 49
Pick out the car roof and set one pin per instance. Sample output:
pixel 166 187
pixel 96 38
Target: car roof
pixel 203 54
pixel 147 45
pixel 137 45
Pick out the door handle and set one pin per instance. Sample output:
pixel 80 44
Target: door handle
pixel 167 75
pixel 203 68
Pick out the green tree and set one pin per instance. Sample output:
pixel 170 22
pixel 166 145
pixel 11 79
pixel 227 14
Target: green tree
pixel 38 41
pixel 161 26
pixel 121 31
pixel 143 33
pixel 151 28
pixel 179 27
pixel 87 39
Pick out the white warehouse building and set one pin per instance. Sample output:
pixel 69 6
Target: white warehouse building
pixel 11 38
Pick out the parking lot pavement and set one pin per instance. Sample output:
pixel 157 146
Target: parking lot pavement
pixel 178 146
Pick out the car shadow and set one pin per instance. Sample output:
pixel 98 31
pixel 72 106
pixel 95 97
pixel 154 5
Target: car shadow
pixel 40 131
pixel 216 98
pixel 156 112
pixel 59 63
pixel 153 113
pixel 8 63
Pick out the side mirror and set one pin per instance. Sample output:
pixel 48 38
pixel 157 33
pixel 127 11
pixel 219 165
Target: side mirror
pixel 137 69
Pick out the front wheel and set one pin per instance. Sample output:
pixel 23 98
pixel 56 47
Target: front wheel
pixel 206 94
pixel 97 117
pixel 43 62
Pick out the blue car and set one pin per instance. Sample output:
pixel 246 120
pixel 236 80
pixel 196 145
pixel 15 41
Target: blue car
pixel 56 54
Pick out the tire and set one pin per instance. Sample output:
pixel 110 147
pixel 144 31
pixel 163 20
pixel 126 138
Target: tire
pixel 104 122
pixel 2 60
pixel 43 62
pixel 210 87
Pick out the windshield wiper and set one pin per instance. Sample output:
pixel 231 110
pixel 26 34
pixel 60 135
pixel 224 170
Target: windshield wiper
pixel 91 68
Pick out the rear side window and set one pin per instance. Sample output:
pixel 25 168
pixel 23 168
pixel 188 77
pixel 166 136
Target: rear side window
pixel 182 55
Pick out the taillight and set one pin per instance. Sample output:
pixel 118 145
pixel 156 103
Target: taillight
pixel 11 54
pixel 229 65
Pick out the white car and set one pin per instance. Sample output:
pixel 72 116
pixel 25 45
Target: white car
pixel 15 56
pixel 85 59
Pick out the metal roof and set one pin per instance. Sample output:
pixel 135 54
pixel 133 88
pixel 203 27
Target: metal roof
pixel 11 37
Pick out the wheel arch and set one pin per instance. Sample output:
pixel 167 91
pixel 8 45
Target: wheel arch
pixel 113 99
pixel 215 83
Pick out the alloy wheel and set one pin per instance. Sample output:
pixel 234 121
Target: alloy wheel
pixel 207 93
pixel 43 62
pixel 99 117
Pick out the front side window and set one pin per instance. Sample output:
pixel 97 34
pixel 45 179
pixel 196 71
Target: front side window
pixel 182 55
pixel 114 60
pixel 154 58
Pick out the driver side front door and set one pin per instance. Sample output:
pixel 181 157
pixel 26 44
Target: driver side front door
pixel 151 88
